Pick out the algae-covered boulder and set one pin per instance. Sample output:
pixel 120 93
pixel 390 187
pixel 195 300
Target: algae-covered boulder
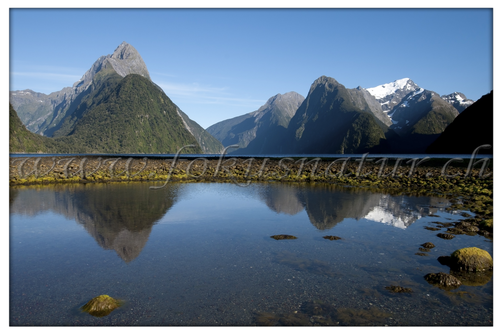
pixel 471 259
pixel 101 306
pixel 486 224
pixel 443 281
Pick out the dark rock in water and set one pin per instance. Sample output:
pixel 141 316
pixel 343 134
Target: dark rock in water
pixel 421 254
pixel 424 249
pixel 432 228
pixel 471 228
pixel 398 289
pixel 101 306
pixel 283 236
pixel 443 224
pixel 428 245
pixel 444 260
pixel 434 216
pixel 465 214
pixel 331 237
pixel 471 259
pixel 445 236
pixel 443 281
pixel 455 230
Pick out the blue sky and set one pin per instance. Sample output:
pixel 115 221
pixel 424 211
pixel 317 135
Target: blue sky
pixel 216 64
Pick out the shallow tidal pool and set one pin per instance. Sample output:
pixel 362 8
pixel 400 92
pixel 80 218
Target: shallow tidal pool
pixel 202 254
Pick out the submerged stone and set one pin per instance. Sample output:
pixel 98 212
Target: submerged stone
pixel 443 281
pixel 331 237
pixel 471 259
pixel 398 289
pixel 445 236
pixel 101 306
pixel 283 237
pixel 428 245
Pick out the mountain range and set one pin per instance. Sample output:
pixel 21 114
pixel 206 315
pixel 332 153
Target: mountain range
pixel 397 117
pixel 116 108
pixel 113 108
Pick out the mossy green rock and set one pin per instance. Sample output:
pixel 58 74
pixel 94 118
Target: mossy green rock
pixel 101 306
pixel 471 259
pixel 487 224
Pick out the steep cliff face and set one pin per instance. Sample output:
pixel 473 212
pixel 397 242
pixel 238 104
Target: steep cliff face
pixel 257 127
pixel 329 121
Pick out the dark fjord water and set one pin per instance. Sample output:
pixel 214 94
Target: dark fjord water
pixel 201 254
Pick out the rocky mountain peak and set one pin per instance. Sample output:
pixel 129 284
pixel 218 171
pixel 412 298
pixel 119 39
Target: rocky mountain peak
pixel 458 100
pixel 284 106
pixel 127 60
pixel 125 51
pixel 292 97
pixel 391 94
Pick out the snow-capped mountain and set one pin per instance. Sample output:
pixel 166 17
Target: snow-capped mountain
pixel 458 100
pixel 414 113
pixel 391 94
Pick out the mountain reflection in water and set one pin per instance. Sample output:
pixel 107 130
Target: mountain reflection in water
pixel 120 216
pixel 327 206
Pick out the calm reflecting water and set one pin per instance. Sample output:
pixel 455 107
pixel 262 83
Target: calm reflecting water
pixel 201 254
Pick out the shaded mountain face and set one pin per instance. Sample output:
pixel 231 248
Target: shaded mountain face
pixel 422 112
pixel 471 129
pixel 419 119
pixel 59 114
pixel 365 101
pixel 257 125
pixel 329 121
pixel 118 217
pixel 458 100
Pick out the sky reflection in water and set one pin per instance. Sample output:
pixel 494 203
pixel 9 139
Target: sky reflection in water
pixel 201 254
